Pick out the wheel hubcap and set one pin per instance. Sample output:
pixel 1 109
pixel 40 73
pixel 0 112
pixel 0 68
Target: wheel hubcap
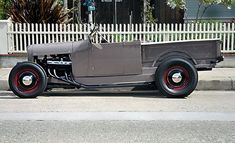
pixel 177 77
pixel 27 80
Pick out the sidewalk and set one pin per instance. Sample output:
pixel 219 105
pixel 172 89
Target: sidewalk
pixel 217 79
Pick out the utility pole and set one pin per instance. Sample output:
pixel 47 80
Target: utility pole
pixel 145 11
pixel 66 4
pixel 115 11
pixel 90 17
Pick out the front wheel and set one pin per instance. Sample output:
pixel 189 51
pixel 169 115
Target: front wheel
pixel 27 80
pixel 176 77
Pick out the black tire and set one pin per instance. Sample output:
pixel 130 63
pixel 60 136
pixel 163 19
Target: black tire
pixel 24 89
pixel 176 77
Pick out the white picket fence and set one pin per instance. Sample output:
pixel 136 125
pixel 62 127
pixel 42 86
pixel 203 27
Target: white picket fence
pixel 21 35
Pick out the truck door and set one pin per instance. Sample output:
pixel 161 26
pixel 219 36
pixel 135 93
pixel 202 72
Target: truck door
pixel 115 59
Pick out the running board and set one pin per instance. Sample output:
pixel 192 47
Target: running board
pixel 114 85
pixel 117 85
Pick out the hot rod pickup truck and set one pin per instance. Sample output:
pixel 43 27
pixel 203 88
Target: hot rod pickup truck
pixel 171 66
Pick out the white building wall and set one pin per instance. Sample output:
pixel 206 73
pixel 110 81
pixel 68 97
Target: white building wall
pixel 3 37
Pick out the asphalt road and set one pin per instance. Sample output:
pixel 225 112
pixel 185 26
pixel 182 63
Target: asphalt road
pixel 205 116
pixel 117 132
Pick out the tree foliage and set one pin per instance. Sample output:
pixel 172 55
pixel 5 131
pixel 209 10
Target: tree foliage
pixel 181 3
pixel 38 11
pixel 176 3
pixel 149 13
pixel 203 5
pixel 4 6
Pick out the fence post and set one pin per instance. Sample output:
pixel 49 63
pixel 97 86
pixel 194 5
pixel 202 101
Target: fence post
pixel 3 36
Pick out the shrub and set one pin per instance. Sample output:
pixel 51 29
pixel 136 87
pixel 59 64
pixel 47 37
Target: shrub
pixel 38 11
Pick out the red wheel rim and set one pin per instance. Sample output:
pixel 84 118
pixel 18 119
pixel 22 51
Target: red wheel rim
pixel 170 83
pixel 23 88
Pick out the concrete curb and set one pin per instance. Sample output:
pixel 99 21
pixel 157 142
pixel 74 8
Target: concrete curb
pixel 4 85
pixel 223 84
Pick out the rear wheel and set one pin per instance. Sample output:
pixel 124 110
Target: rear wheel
pixel 27 80
pixel 176 77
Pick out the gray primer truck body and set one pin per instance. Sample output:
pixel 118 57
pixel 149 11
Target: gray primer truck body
pixel 172 66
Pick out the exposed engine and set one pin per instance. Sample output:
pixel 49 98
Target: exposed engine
pixel 58 66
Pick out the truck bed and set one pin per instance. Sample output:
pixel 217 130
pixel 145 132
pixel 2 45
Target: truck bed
pixel 204 53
